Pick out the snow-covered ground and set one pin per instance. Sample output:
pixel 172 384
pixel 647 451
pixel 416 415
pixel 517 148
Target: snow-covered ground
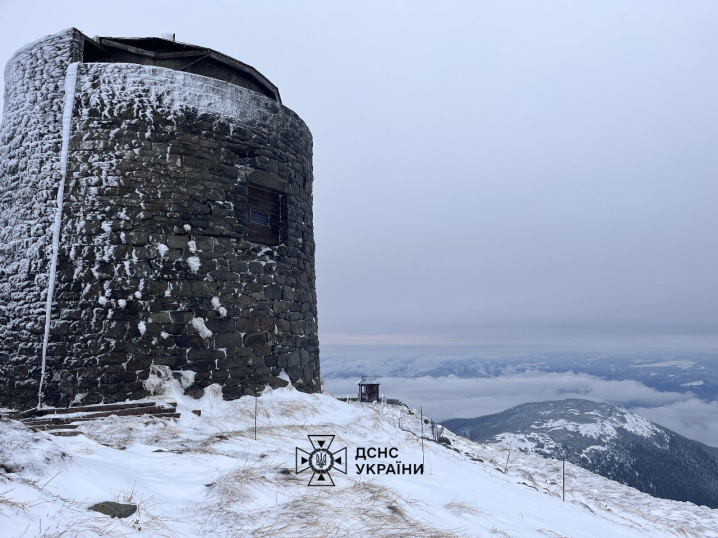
pixel 207 476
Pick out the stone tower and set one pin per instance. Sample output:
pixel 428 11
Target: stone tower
pixel 155 210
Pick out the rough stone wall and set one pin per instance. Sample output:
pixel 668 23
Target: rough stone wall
pixel 154 268
pixel 30 140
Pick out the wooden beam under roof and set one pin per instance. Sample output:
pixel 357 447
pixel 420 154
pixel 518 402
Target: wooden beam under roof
pixel 218 56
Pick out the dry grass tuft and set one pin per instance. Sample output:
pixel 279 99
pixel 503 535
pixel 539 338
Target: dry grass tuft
pixel 460 508
pixel 7 502
pixel 146 518
pixel 236 486
pixel 363 508
pixel 552 534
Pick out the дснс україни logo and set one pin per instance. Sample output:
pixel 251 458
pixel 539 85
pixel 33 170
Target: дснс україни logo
pixel 320 460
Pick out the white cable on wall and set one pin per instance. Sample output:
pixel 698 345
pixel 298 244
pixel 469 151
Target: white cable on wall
pixel 70 82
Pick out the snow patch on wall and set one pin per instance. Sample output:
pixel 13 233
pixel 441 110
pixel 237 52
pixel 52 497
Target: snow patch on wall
pixel 199 326
pixel 158 382
pixel 186 378
pixel 194 263
pixel 218 307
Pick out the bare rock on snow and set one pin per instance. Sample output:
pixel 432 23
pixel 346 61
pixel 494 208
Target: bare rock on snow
pixel 114 509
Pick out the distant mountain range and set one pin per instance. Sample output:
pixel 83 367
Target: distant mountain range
pixel 695 373
pixel 608 441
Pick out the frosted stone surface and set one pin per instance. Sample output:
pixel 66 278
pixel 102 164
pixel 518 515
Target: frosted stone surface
pixel 153 232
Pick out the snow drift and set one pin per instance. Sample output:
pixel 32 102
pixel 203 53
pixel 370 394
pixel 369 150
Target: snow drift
pixel 208 476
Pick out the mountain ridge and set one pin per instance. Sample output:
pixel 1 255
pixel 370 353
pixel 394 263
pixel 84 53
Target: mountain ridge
pixel 607 440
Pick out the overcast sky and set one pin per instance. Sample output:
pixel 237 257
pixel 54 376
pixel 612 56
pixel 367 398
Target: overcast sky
pixel 523 166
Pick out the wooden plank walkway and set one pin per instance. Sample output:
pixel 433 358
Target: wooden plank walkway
pixel 63 421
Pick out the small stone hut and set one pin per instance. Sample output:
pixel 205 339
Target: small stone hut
pixel 368 389
pixel 155 211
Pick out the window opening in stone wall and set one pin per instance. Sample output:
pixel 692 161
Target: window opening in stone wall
pixel 265 216
pixel 259 218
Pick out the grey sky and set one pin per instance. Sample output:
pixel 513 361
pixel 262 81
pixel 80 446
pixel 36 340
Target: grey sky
pixel 536 166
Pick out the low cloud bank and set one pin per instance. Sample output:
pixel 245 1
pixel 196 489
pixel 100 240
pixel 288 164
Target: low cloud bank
pixel 451 397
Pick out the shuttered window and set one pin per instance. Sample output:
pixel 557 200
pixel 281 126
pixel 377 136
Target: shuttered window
pixel 264 216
